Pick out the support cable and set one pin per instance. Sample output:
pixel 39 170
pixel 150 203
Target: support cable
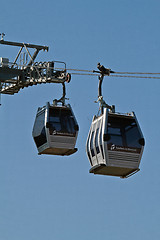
pixel 128 76
pixel 137 73
pixel 122 76
pixel 112 73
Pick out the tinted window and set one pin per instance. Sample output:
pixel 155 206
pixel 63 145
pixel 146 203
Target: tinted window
pixel 132 135
pixel 91 146
pixel 96 141
pixel 61 121
pixel 101 142
pixel 88 150
pixel 55 123
pixel 39 133
pixel 123 132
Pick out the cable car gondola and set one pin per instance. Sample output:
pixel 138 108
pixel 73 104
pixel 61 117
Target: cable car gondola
pixel 115 142
pixel 55 130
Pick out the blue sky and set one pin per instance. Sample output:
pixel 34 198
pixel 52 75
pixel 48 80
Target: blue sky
pixel 51 197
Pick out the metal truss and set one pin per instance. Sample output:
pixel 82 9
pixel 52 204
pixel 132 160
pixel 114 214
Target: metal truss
pixel 15 76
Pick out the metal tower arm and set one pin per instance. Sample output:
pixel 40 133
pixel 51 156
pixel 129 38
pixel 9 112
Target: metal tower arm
pixel 28 45
pixel 14 77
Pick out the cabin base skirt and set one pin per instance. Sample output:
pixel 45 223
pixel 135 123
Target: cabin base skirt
pixel 102 169
pixel 58 151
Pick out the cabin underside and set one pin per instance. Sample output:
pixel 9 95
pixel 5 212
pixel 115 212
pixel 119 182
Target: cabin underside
pixel 122 172
pixel 58 151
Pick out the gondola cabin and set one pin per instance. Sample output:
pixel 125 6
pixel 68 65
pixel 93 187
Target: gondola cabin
pixel 115 144
pixel 55 130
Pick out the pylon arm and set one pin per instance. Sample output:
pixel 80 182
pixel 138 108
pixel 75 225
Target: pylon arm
pixel 28 45
pixel 14 79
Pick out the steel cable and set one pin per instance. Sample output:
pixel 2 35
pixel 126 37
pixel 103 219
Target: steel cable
pixel 94 73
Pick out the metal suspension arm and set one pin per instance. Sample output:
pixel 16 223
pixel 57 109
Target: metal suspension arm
pixel 17 44
pixel 103 71
pixel 62 99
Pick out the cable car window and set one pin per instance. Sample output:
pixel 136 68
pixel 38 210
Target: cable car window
pixel 132 136
pixel 113 129
pixel 123 132
pixel 96 141
pixel 91 146
pixel 114 132
pixel 88 151
pixel 101 142
pixel 39 132
pixel 55 123
pixel 62 121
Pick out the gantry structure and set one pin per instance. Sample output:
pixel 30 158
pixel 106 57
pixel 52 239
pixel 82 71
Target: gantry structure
pixel 24 71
